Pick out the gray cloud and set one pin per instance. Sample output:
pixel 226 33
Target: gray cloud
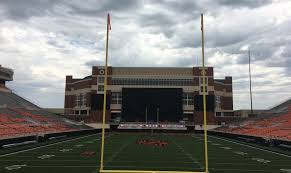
pixel 20 10
pixel 156 19
pixel 91 63
pixel 95 8
pixel 244 3
pixel 287 52
pixel 46 40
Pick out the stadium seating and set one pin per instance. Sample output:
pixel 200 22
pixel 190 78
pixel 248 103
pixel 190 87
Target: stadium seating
pixel 19 117
pixel 22 122
pixel 275 127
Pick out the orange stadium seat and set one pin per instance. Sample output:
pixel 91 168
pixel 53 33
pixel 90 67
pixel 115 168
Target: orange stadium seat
pixel 28 123
pixel 277 127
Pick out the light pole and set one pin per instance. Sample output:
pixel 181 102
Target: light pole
pixel 250 77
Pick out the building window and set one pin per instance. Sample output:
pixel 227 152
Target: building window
pixel 83 112
pixel 218 114
pixel 81 100
pixel 84 100
pixel 78 100
pixel 218 101
pixel 100 79
pixel 228 114
pixel 100 87
pixel 77 112
pixel 151 81
pixel 116 98
pixel 188 99
pixel 201 81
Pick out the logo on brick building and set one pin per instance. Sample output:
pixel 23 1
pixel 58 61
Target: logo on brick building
pixel 102 71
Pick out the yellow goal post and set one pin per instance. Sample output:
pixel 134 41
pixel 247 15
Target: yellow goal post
pixel 102 170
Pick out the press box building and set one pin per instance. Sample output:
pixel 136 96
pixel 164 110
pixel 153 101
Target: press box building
pixel 149 94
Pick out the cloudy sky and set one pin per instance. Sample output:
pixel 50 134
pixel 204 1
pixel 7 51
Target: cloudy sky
pixel 44 40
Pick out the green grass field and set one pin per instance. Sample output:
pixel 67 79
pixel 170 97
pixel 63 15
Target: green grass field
pixel 183 153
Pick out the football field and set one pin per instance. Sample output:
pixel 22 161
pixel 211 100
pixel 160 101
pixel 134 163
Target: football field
pixel 145 151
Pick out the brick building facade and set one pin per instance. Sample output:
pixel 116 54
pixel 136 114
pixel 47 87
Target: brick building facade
pixel 84 97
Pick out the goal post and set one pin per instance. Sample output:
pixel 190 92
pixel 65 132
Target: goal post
pixel 102 148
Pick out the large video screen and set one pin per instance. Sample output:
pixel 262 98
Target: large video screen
pixel 152 104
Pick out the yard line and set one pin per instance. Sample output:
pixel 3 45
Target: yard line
pixel 120 166
pixel 150 161
pixel 46 145
pixel 244 170
pixel 249 146
pixel 160 168
pixel 56 160
pixel 183 162
pixel 115 166
pixel 154 154
pixel 211 168
pixel 187 154
pixel 62 166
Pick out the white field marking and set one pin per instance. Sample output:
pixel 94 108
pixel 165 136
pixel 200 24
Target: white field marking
pixel 79 145
pixel 246 170
pixel 237 164
pixel 152 155
pixel 89 142
pixel 286 170
pixel 13 167
pixel 211 168
pixel 226 148
pixel 216 144
pixel 66 150
pixel 251 146
pixel 30 160
pixel 46 156
pixel 120 166
pixel 240 153
pixel 151 161
pixel 46 145
pixel 187 154
pixel 116 166
pixel 117 152
pixel 261 160
pixel 62 166
pixel 151 167
pixel 214 163
pixel 145 161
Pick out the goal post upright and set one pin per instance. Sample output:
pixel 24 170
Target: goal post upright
pixel 204 96
pixel 104 97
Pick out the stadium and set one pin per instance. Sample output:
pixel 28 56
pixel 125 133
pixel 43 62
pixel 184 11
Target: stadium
pixel 133 119
pixel 35 140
